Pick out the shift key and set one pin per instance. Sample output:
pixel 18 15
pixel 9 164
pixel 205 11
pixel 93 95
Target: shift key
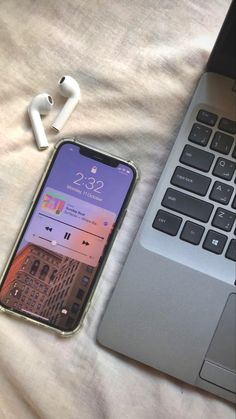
pixel 187 205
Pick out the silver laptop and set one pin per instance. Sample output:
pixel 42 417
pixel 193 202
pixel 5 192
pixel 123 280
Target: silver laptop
pixel 174 307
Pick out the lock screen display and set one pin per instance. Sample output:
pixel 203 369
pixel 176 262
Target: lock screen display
pixel 56 261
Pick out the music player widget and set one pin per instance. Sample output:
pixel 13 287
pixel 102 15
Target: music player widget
pixel 80 232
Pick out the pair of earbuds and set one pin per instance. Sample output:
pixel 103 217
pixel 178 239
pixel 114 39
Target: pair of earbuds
pixel 43 103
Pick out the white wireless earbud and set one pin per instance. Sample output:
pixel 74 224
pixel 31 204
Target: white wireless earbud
pixel 69 88
pixel 40 105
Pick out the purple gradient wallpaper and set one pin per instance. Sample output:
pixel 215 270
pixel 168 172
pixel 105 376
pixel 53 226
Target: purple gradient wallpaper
pixel 52 273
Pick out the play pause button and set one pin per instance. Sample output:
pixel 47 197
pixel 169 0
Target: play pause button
pixel 67 236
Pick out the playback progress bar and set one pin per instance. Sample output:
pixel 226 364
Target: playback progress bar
pixel 61 245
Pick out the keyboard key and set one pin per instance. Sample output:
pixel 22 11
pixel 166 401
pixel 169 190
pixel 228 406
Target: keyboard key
pixel 223 219
pixel 192 233
pixel 231 251
pixel 214 242
pixel 187 205
pixel 234 153
pixel 221 193
pixel 224 168
pixel 206 117
pixel 199 159
pixel 222 142
pixel 234 203
pixel 167 223
pixel 190 181
pixel 200 134
pixel 227 125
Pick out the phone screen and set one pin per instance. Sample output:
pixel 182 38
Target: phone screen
pixel 54 266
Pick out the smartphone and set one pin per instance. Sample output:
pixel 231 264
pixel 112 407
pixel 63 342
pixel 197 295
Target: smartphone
pixel 67 235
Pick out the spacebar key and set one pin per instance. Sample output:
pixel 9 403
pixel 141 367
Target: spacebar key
pixel 187 205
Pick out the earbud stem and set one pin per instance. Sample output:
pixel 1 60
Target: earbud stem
pixel 38 129
pixel 65 113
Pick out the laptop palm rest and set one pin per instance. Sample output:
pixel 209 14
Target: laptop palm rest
pixel 160 317
pixel 219 367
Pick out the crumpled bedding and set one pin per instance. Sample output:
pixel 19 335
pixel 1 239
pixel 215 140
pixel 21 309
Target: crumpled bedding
pixel 138 63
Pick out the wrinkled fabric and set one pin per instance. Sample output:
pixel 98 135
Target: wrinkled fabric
pixel 138 63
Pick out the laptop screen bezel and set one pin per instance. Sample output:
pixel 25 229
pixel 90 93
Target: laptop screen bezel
pixel 223 57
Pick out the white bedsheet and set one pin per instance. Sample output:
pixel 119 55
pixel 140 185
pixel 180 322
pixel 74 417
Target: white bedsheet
pixel 138 62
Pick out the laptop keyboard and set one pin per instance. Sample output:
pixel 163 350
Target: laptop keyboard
pixel 207 167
